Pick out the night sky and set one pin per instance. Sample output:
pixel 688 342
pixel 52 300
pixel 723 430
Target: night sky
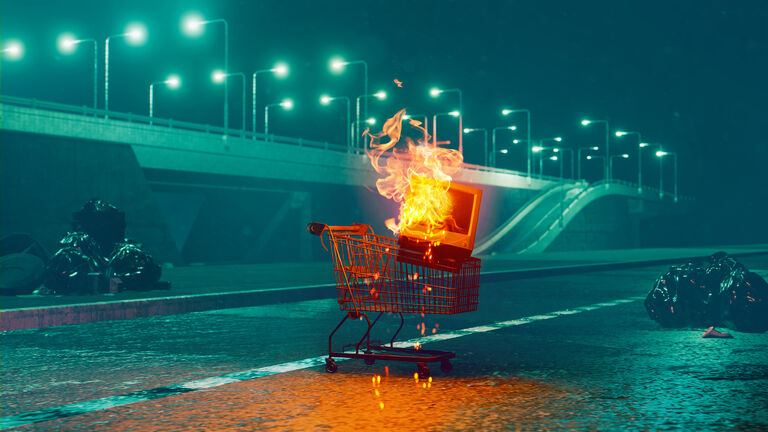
pixel 688 74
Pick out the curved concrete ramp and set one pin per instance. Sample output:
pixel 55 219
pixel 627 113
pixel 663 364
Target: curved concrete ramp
pixel 538 223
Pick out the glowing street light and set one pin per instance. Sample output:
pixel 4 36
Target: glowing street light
pixel 281 71
pixel 193 25
pixel 326 100
pixel 541 149
pixel 371 121
pixel 221 76
pixel 493 141
pixel 13 49
pixel 338 65
pixel 607 143
pixel 435 92
pixel 172 82
pixel 506 112
pixel 639 156
pixel 286 104
pixel 68 43
pixel 578 158
pixel 380 95
pixel 660 154
pixel 453 113
pixel 485 141
pixel 135 34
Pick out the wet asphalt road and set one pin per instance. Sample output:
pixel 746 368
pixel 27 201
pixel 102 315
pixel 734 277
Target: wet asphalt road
pixel 609 368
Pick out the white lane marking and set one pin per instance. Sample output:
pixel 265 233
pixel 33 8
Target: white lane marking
pixel 206 383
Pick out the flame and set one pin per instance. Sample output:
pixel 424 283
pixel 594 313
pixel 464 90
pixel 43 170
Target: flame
pixel 417 176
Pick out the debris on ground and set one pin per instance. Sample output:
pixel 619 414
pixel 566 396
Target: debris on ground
pixel 712 333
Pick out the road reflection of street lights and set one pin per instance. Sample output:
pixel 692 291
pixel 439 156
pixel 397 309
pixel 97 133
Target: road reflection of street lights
pixel 286 104
pixel 326 100
pixel 172 82
pixel 221 76
pixel 337 66
pixel 380 95
pixel 607 143
pixel 12 49
pixel 493 141
pixel 578 159
pixel 193 25
pixel 618 156
pixel 435 92
pixel 660 154
pixel 135 34
pixel 506 112
pixel 485 141
pixel 434 122
pixel 280 70
pixel 67 45
pixel 639 156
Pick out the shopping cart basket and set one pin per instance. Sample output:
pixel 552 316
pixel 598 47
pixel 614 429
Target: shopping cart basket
pixel 374 274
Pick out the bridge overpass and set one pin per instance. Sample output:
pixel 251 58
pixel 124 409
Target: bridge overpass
pixel 199 193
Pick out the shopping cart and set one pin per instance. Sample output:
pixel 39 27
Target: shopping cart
pixel 374 274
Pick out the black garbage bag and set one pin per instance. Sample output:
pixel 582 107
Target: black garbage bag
pixel 747 302
pixel 133 267
pixel 68 272
pixel 86 245
pixel 103 222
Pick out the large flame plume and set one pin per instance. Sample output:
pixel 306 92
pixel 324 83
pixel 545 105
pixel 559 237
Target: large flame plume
pixel 417 175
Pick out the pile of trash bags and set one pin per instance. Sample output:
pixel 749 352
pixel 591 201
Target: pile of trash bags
pixel 97 258
pixel 719 291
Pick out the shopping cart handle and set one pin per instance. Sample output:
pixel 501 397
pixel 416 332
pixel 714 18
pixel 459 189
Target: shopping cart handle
pixel 318 228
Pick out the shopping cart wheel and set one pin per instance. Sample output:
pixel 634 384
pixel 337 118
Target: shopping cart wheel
pixel 330 365
pixel 446 366
pixel 423 370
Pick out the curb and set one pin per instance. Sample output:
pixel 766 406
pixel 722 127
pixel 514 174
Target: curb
pixel 51 316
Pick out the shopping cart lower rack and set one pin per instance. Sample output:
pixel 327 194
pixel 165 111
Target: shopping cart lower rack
pixel 373 274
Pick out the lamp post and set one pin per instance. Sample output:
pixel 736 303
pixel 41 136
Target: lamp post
pixel 325 100
pixel 434 123
pixel 135 34
pixel 435 92
pixel 639 157
pixel 660 154
pixel 280 70
pixel 337 66
pixel 13 49
pixel 221 76
pixel 541 151
pixel 601 157
pixel 423 124
pixel 287 104
pixel 607 143
pixel 493 141
pixel 193 26
pixel 578 159
pixel 610 161
pixel 380 95
pixel 172 82
pixel 68 43
pixel 527 113
pixel 485 141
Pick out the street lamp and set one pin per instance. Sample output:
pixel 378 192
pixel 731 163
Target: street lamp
pixel 287 104
pixel 578 159
pixel 338 65
pixel 660 154
pixel 493 141
pixel 610 161
pixel 485 141
pixel 423 124
pixel 13 49
pixel 68 43
pixel 192 25
pixel 639 156
pixel 326 100
pixel 135 34
pixel 280 70
pixel 221 76
pixel 540 150
pixel 607 143
pixel 434 122
pixel 172 82
pixel 506 112
pixel 435 92
pixel 380 95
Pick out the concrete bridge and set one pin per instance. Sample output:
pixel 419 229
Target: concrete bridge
pixel 197 193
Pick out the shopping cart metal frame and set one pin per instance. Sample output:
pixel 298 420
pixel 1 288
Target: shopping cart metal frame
pixel 364 263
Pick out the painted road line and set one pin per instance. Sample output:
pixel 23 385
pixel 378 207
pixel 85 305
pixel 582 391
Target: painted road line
pixel 207 383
